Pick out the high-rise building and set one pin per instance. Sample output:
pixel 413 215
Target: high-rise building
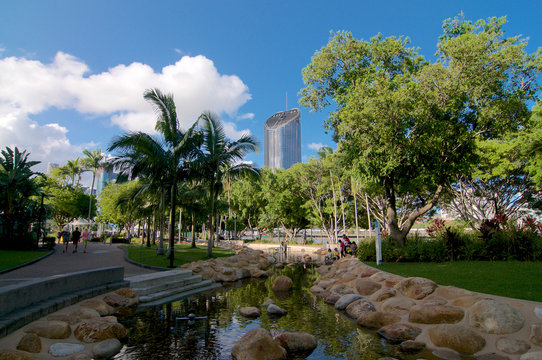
pixel 283 139
pixel 51 166
pixel 102 177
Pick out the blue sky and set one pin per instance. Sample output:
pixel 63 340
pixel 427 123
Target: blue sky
pixel 72 73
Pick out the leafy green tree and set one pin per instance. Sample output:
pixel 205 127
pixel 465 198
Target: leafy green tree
pixel 119 204
pixel 409 126
pixel 93 161
pixel 72 170
pixel 248 202
pixel 17 186
pixel 220 156
pixel 163 161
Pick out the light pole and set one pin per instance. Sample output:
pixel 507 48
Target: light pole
pixel 235 227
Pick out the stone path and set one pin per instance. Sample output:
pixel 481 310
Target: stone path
pixel 98 255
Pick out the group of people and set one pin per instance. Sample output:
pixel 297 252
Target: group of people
pixel 346 247
pixel 65 237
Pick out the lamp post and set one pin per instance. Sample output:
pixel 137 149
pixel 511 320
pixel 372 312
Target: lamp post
pixel 235 227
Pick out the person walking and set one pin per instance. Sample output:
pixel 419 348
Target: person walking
pixel 65 240
pixel 76 235
pixel 86 238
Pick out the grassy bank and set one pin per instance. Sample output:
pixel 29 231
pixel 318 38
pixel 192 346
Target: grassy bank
pixel 184 253
pixel 516 279
pixel 12 258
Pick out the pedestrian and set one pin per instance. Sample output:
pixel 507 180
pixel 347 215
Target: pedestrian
pixel 76 235
pixel 86 238
pixel 59 237
pixel 65 240
pixel 143 237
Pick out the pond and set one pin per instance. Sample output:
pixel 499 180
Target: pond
pixel 154 333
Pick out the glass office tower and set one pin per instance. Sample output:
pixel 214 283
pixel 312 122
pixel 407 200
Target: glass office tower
pixel 283 139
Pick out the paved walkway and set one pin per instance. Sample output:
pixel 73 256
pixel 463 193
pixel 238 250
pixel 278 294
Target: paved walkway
pixel 98 255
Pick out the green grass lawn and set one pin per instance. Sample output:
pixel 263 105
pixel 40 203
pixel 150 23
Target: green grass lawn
pixel 184 253
pixel 515 279
pixel 11 258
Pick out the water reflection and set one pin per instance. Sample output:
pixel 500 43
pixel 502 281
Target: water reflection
pixel 153 334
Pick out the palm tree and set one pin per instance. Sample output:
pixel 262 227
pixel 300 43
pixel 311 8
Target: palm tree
pixel 16 188
pixel 220 157
pixel 72 169
pixel 93 161
pixel 163 161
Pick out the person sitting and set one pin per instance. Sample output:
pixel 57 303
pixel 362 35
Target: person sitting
pixel 336 254
pixel 354 249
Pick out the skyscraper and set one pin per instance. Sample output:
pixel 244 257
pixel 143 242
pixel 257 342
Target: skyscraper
pixel 283 139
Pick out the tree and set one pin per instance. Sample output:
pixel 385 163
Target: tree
pixel 119 204
pixel 220 156
pixel 163 161
pixel 93 161
pixel 409 126
pixel 72 169
pixel 248 202
pixel 17 186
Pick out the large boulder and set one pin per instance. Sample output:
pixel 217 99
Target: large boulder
pixel 282 283
pixel 365 286
pixel 258 344
pixel 416 287
pixel 383 294
pixel 356 308
pixel 466 301
pixel 275 310
pixel 342 289
pixel 331 297
pixel 106 349
pixel 99 329
pixel 534 355
pixel 250 311
pixel 126 292
pixel 65 349
pixel 457 337
pixel 116 300
pixel 8 354
pixel 99 305
pixel 536 334
pixel 377 319
pixel 398 305
pixel 30 342
pixel 495 317
pixel 50 329
pixel 436 314
pixel 299 342
pixel 345 300
pixel 399 332
pixel 512 346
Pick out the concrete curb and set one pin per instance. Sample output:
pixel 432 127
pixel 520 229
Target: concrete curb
pixel 51 252
pixel 142 265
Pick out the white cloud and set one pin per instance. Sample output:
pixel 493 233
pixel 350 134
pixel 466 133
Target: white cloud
pixel 315 146
pixel 29 87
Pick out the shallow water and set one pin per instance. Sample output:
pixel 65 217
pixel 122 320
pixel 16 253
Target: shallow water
pixel 153 333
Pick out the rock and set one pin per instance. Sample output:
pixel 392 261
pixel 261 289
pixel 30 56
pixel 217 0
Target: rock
pixel 65 349
pixel 126 292
pixel 538 312
pixel 535 355
pixel 345 300
pixel 7 354
pixel 380 276
pixel 416 287
pixel 282 283
pixel 68 318
pixel 275 310
pixel 383 294
pixel 50 329
pixel 452 292
pixel 250 311
pixel 411 346
pixel 331 297
pixel 299 342
pixel 365 287
pixel 358 307
pixel 85 313
pixel 268 302
pixel 100 306
pixel 491 356
pixel 536 334
pixel 436 314
pixel 30 343
pixel 257 344
pixel 399 332
pixel 106 349
pixel 117 300
pixel 495 317
pixel 466 301
pixel 80 356
pixel 392 281
pixel 447 354
pixel 342 289
pixel 398 305
pixel 457 337
pixel 317 290
pixel 98 329
pixel 432 301
pixel 377 319
pixel 512 346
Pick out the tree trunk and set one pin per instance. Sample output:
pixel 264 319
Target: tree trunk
pixel 334 208
pixel 149 232
pixel 210 243
pixel 356 211
pixel 160 250
pixel 91 191
pixel 171 249
pixel 193 230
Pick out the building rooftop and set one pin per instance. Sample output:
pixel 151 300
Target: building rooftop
pixel 281 118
